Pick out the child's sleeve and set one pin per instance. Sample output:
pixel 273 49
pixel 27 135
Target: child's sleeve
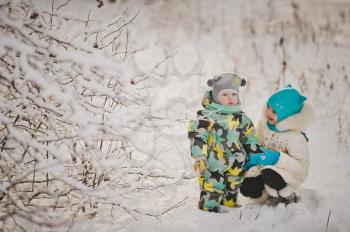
pixel 249 138
pixel 198 133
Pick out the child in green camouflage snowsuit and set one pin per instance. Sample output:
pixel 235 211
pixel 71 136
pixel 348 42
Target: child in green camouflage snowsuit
pixel 222 137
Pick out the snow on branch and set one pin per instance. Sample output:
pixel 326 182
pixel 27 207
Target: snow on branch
pixel 70 117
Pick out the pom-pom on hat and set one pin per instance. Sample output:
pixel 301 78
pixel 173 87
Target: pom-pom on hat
pixel 226 81
pixel 286 102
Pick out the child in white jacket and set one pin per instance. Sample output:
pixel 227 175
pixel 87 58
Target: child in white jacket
pixel 284 120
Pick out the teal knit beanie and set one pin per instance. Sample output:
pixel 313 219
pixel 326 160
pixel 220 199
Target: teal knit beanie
pixel 286 102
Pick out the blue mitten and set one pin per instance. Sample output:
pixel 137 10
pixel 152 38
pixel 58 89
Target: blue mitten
pixel 269 157
pixel 248 165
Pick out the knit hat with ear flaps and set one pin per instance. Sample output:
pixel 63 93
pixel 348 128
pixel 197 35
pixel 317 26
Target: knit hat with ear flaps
pixel 223 82
pixel 286 102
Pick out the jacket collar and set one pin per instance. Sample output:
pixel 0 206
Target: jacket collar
pixel 210 106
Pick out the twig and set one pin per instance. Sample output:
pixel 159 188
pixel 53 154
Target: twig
pixel 106 45
pixel 52 5
pixel 62 5
pixel 128 212
pixel 17 225
pixel 122 26
pixel 33 181
pixel 88 19
pixel 126 9
pixel 112 210
pixel 126 43
pixel 329 215
pixel 177 205
pixel 5 4
pixel 63 17
pixel 257 216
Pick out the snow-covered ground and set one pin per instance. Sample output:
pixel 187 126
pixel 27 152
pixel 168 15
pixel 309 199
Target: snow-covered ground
pixel 323 205
pixel 270 43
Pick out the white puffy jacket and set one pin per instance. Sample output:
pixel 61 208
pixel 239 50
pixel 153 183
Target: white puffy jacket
pixel 293 164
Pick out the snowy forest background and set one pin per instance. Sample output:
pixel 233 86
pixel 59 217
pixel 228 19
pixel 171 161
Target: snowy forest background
pixel 95 96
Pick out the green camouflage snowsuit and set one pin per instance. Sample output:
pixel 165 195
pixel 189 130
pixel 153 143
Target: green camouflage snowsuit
pixel 224 136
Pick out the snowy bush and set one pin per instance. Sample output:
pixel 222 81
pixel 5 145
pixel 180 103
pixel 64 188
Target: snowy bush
pixel 72 111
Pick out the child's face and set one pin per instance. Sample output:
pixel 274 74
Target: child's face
pixel 271 115
pixel 228 98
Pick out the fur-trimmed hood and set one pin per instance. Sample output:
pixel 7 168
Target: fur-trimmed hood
pixel 298 122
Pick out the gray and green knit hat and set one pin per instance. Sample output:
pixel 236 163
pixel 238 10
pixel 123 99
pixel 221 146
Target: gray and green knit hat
pixel 225 81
